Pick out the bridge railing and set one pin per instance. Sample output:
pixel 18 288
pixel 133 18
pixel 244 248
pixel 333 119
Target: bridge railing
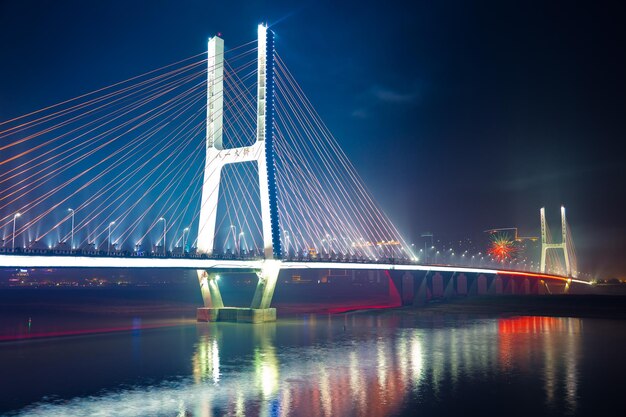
pixel 335 258
pixel 321 258
pixel 121 254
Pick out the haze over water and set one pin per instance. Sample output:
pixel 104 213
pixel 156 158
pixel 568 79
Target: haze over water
pixel 367 364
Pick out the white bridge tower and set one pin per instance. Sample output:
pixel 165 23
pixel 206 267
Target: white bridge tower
pixel 261 152
pixel 563 245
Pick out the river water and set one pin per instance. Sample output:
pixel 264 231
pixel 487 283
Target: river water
pixel 361 364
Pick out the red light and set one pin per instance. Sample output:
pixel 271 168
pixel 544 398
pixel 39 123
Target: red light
pixel 502 247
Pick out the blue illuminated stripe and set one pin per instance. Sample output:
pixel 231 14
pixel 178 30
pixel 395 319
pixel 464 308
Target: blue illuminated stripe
pixel 269 144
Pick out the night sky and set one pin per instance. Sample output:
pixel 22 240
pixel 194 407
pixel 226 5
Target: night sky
pixel 460 116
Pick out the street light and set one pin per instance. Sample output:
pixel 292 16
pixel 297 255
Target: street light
pixel 233 232
pixel 109 241
pixel 425 235
pixel 164 229
pixel 72 241
pixel 241 238
pixel 15 216
pixel 186 229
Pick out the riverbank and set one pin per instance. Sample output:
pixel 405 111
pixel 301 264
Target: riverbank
pixel 581 306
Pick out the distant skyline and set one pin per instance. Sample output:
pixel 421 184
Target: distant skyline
pixel 460 116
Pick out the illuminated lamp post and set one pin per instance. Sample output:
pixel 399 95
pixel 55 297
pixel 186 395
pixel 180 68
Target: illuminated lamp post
pixel 72 240
pixel 242 238
pixel 15 216
pixel 109 240
pixel 164 230
pixel 185 230
pixel 228 237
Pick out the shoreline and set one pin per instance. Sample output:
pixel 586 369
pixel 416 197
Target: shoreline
pixel 576 306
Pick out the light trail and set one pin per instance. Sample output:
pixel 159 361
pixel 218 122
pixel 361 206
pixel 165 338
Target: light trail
pixel 38 261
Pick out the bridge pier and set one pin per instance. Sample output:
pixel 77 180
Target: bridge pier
pixel 437 288
pixel 407 290
pixel 510 286
pixel 421 292
pixel 539 287
pixel 495 288
pixel 478 285
pixel 461 285
pixel 211 295
pixel 404 283
pixel 259 310
pixel 449 292
pixel 266 285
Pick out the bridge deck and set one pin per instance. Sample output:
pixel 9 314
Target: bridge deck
pixel 39 261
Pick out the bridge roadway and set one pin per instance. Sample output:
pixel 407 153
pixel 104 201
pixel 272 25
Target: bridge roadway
pixel 69 261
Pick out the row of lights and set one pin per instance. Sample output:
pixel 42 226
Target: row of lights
pixel 16 215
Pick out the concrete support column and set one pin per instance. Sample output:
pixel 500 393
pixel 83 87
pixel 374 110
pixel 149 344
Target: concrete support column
pixel 541 287
pixel 495 288
pixel 266 285
pixel 211 296
pixel 510 286
pixel 450 290
pixel 567 286
pixel 481 285
pixel 407 288
pixel 461 284
pixel 437 285
pixel 421 292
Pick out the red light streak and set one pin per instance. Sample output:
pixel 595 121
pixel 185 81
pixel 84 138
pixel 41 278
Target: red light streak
pixel 533 275
pixel 63 333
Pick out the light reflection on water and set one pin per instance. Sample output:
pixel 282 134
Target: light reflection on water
pixel 362 366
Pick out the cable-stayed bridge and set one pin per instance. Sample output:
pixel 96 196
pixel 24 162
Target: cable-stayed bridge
pixel 218 162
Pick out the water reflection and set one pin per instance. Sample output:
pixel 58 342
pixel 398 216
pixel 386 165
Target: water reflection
pixel 206 361
pixel 536 335
pixel 342 366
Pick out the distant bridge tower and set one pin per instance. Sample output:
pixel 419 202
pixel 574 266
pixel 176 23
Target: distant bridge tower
pixel 545 245
pixel 262 151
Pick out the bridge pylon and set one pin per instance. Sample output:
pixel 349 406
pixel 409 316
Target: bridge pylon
pixel 545 245
pixel 261 152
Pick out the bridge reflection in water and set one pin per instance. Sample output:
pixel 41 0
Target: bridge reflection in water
pixel 373 376
pixel 354 365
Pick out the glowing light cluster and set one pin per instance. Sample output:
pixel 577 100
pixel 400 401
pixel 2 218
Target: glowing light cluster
pixel 502 247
